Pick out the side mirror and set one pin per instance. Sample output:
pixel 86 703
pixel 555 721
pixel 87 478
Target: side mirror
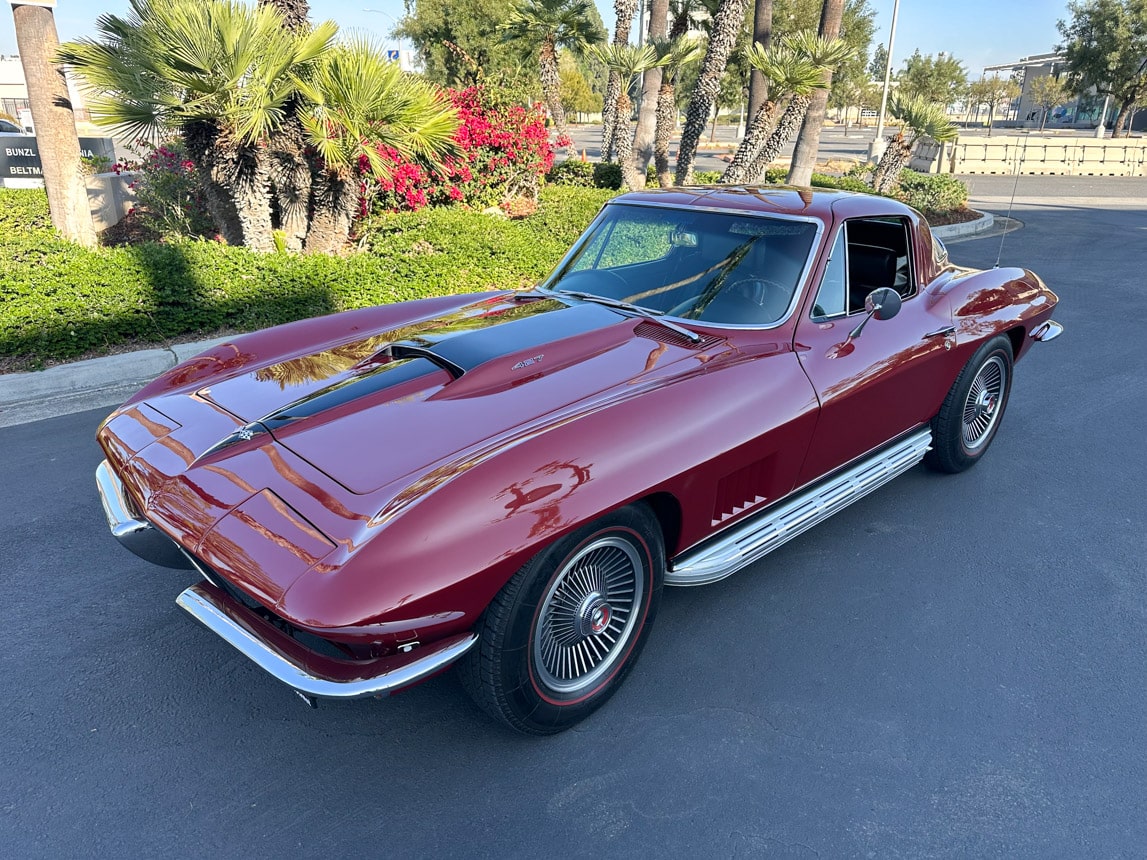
pixel 883 303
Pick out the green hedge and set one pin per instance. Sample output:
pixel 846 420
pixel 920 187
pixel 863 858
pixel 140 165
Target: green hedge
pixel 59 301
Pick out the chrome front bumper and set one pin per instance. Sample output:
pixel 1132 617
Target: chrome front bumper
pixel 310 674
pixel 130 528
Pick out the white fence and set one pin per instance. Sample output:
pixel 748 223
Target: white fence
pixel 1073 156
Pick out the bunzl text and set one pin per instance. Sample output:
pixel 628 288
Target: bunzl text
pixel 20 152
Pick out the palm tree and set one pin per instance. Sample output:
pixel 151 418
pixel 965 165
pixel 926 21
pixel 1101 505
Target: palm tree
pixel 217 73
pixel 554 24
pixel 360 102
pixel 290 170
pixel 796 69
pixel 920 118
pixel 223 76
pixel 727 24
pixel 56 135
pixel 623 12
pixel 676 53
pixel 824 53
pixel 626 61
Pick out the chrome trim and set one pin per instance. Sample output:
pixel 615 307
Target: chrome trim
pixel 239 627
pixel 130 528
pixel 754 538
pixel 1050 330
pixel 798 290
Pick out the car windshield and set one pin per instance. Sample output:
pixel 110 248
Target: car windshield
pixel 691 263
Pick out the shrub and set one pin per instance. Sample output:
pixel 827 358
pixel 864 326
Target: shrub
pixel 503 151
pixel 607 175
pixel 841 183
pixel 572 172
pixel 932 192
pixel 169 197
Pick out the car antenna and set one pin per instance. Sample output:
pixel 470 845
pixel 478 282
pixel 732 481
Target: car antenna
pixel 1015 185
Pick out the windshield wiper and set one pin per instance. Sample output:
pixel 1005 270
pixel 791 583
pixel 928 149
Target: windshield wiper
pixel 655 316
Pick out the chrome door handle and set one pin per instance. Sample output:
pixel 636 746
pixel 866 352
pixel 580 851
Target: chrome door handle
pixel 942 332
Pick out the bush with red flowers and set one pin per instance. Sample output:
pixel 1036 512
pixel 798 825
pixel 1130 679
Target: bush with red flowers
pixel 168 194
pixel 503 151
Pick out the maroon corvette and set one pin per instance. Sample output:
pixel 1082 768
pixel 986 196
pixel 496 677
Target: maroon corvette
pixel 506 481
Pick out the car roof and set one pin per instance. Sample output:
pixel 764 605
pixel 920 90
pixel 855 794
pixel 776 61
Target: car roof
pixel 771 199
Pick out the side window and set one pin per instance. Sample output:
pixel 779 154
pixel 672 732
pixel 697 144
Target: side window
pixel 832 297
pixel 876 254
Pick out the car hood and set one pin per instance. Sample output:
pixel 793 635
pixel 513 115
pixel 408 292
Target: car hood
pixel 397 403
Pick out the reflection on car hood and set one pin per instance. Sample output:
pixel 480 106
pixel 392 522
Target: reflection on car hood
pixel 377 409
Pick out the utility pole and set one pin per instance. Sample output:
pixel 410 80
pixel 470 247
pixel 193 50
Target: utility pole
pixel 877 148
pixel 55 122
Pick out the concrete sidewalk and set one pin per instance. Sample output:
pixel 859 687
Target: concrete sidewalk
pixel 82 385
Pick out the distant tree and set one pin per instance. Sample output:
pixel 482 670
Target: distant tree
pixel 991 93
pixel 851 92
pixel 850 76
pixel 1105 44
pixel 940 80
pixel 55 123
pixel 576 93
pixel 1046 92
pixel 553 24
pixel 457 39
pixel 918 119
pixel 727 26
pixel 878 64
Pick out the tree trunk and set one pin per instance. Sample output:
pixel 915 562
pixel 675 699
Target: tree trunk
pixel 762 35
pixel 722 37
pixel 1043 119
pixel 991 117
pixel 1117 129
pixel 294 11
pixel 335 201
pixel 808 141
pixel 56 137
pixel 755 136
pixel 623 139
pixel 887 172
pixel 250 184
pixel 650 91
pixel 666 119
pixel 552 91
pixel 609 115
pixel 787 126
pixel 201 139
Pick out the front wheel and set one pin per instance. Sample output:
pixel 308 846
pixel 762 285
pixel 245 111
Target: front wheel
pixel 971 413
pixel 560 637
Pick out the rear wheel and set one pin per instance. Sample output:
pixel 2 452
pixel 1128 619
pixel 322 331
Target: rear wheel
pixel 972 411
pixel 562 634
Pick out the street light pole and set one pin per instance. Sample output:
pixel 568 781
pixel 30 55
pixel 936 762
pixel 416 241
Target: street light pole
pixel 877 148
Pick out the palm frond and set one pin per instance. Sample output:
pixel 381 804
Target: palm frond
pixel 924 118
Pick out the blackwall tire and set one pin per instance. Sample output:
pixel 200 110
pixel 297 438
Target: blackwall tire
pixel 561 636
pixel 971 414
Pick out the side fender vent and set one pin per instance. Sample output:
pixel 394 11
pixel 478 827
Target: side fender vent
pixel 661 334
pixel 742 489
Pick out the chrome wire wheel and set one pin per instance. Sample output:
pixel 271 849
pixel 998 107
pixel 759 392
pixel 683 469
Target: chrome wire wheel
pixel 982 408
pixel 588 615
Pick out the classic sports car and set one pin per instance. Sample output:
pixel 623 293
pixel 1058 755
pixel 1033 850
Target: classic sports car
pixel 506 481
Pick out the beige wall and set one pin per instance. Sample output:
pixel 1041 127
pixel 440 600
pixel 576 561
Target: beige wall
pixel 1051 155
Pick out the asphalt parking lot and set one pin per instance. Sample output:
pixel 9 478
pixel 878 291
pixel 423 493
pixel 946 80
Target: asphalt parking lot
pixel 954 666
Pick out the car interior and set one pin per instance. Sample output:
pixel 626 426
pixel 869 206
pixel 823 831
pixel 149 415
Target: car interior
pixel 867 254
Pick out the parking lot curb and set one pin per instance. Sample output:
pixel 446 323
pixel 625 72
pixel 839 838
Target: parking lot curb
pixel 82 385
pixel 965 228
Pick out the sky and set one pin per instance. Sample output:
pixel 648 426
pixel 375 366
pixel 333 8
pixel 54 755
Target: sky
pixel 977 32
